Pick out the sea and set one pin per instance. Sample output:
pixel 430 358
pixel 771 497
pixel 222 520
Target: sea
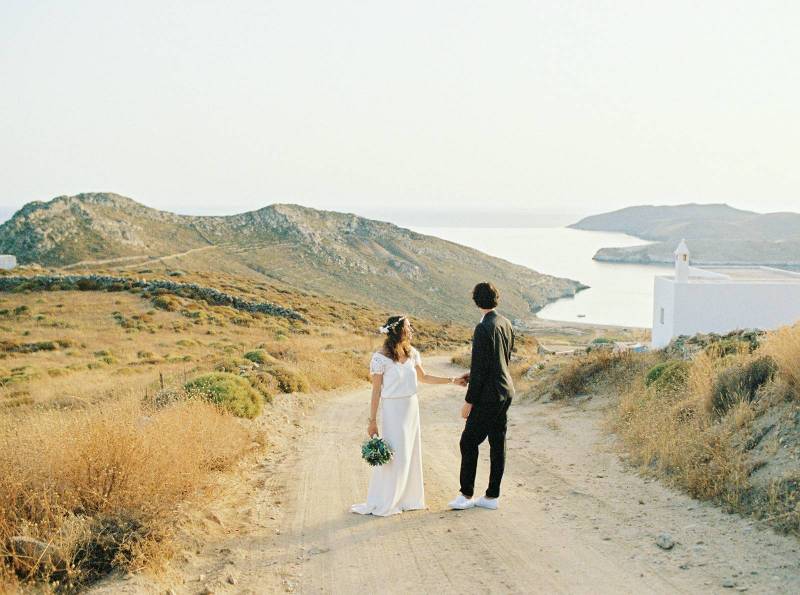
pixel 618 294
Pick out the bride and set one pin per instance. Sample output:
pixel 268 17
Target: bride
pixel 396 369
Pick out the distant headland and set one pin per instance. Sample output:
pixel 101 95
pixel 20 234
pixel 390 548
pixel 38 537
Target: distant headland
pixel 719 233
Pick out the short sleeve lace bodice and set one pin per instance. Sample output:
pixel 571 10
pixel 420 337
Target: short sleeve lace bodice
pixel 399 379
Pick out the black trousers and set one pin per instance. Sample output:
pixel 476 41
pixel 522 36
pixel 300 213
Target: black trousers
pixel 487 420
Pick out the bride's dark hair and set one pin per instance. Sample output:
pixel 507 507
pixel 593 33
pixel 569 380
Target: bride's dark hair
pixel 398 340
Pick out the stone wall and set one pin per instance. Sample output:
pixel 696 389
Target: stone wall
pixel 209 295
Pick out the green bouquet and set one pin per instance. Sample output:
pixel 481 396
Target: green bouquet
pixel 375 451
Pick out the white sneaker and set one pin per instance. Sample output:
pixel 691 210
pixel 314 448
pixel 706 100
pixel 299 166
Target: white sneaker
pixel 462 503
pixel 484 502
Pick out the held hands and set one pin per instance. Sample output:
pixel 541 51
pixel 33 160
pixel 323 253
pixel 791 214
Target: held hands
pixel 467 408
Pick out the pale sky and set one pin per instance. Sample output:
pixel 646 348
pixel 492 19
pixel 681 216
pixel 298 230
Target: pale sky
pixel 219 107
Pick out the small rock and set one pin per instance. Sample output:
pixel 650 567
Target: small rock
pixel 665 541
pixel 641 501
pixel 232 580
pixel 206 591
pixel 728 583
pixel 684 566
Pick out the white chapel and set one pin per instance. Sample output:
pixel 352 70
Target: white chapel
pixel 721 299
pixel 7 262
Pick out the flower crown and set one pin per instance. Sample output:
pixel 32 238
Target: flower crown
pixel 384 330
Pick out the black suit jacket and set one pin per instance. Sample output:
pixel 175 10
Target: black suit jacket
pixel 489 378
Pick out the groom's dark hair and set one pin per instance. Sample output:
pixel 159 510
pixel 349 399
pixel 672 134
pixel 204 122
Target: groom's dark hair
pixel 485 295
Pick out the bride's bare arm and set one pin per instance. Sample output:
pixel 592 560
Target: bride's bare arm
pixel 426 378
pixel 377 383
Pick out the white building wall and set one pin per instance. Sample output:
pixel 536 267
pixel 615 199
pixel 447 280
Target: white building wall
pixel 720 307
pixel 663 299
pixel 7 261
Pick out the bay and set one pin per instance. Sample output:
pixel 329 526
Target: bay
pixel 618 294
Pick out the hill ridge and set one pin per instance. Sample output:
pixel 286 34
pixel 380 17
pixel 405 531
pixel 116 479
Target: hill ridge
pixel 327 252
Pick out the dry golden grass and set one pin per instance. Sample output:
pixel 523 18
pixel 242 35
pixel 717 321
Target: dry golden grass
pixel 91 472
pixel 690 436
pixel 672 434
pixel 784 346
pixel 99 486
pixel 580 373
pixel 702 374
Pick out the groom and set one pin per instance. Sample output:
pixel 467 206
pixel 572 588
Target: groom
pixel 488 397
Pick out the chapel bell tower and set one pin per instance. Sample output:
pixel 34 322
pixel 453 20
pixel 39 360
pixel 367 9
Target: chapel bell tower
pixel 682 263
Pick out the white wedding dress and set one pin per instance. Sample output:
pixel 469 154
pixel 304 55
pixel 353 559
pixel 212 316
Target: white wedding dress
pixel 397 485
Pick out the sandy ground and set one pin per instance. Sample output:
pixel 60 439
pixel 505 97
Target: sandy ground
pixel 573 519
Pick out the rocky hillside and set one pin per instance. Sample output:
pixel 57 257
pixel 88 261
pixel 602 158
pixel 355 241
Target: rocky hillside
pixel 325 252
pixel 717 234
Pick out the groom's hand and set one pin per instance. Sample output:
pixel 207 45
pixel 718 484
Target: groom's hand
pixel 466 410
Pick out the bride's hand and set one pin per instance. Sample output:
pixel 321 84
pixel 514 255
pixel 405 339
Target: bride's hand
pixel 372 430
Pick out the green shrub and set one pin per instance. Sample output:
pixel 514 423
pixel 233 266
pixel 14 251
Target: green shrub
pixel 231 392
pixel 655 372
pixel 87 284
pixel 289 380
pixel 257 356
pixel 167 302
pixel 672 377
pixel 741 382
pixel 13 347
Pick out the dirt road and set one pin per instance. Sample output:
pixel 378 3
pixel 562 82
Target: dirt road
pixel 572 518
